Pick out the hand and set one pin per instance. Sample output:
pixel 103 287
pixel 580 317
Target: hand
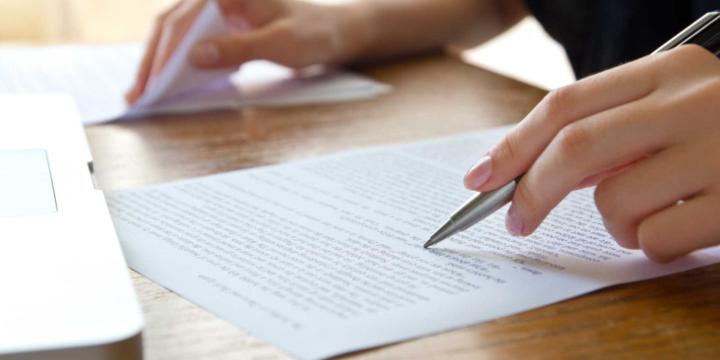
pixel 292 33
pixel 647 133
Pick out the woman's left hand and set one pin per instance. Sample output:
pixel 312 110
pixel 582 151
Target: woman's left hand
pixel 647 133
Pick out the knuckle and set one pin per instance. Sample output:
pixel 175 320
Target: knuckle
pixel 557 100
pixel 507 149
pixel 571 140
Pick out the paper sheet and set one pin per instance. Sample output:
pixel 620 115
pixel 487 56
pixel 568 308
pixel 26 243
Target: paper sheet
pixel 178 77
pixel 325 256
pixel 95 76
pixel 98 76
pixel 178 330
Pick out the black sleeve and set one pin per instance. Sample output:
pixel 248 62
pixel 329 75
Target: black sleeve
pixel 599 34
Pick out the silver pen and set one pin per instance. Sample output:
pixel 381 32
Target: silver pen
pixel 473 211
pixel 703 32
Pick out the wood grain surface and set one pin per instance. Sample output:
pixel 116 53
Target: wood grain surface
pixel 671 317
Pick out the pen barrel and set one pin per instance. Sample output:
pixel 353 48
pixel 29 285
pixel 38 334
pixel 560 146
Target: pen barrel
pixel 705 32
pixel 482 205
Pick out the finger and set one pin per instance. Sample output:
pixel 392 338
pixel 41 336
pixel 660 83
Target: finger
pixel 175 27
pixel 595 179
pixel 519 149
pixel 143 73
pixel 601 142
pixel 272 42
pixel 681 229
pixel 647 187
pixel 144 70
pixel 256 13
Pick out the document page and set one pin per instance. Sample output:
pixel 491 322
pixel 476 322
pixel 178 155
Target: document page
pixel 179 76
pixel 95 76
pixel 325 256
pixel 98 76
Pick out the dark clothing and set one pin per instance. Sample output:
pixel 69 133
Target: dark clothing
pixel 600 34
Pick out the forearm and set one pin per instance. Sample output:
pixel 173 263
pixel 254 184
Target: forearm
pixel 376 29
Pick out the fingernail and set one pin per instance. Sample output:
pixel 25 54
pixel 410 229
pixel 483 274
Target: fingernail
pixel 205 54
pixel 131 95
pixel 513 222
pixel 479 173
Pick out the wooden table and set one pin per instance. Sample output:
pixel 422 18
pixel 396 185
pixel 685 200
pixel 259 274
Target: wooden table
pixel 433 95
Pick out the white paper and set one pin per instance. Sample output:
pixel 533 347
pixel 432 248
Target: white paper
pixel 95 76
pixel 179 76
pixel 98 76
pixel 325 256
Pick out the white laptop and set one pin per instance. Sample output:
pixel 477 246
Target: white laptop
pixel 65 291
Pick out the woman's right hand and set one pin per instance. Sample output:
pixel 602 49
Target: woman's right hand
pixel 288 32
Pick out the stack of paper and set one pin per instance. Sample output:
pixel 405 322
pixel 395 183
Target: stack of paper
pixel 325 256
pixel 98 76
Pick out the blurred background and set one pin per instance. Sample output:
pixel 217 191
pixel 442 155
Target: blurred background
pixel 93 21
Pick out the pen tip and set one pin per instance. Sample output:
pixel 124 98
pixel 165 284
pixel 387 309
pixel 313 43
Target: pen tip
pixel 441 234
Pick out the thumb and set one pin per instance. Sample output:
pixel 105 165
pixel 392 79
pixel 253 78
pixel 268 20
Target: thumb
pixel 257 13
pixel 234 50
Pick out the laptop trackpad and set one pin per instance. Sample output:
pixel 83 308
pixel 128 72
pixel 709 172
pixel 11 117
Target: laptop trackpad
pixel 26 186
